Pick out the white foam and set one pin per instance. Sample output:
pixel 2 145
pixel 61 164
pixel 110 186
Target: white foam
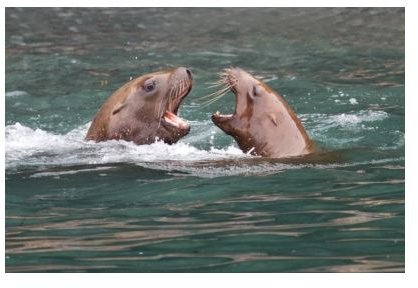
pixel 356 124
pixel 357 118
pixel 68 172
pixel 325 121
pixel 16 93
pixel 26 146
pixel 353 101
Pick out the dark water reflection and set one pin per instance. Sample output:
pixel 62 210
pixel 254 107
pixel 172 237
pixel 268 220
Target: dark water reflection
pixel 263 228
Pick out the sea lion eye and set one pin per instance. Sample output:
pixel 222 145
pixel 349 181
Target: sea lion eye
pixel 148 87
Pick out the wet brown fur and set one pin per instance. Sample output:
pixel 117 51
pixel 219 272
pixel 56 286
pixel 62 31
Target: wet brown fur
pixel 263 126
pixel 142 124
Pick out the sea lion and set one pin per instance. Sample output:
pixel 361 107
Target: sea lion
pixel 145 109
pixel 263 123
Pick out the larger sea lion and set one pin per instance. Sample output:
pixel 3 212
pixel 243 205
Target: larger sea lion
pixel 145 109
pixel 263 123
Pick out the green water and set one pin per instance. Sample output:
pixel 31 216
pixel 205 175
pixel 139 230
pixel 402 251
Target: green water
pixel 202 205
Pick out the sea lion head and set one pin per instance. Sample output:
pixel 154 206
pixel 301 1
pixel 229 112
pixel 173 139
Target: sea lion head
pixel 263 123
pixel 145 109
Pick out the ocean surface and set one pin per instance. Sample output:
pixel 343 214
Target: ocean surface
pixel 202 205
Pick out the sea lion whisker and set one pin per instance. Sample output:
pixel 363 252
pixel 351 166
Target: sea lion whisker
pixel 183 86
pixel 219 96
pixel 173 88
pixel 226 79
pixel 215 94
pixel 214 82
pixel 177 91
pixel 180 85
pixel 157 108
pixel 210 101
pixel 223 75
pixel 207 103
pixel 225 72
pixel 170 99
pixel 160 112
pixel 217 84
pixel 220 90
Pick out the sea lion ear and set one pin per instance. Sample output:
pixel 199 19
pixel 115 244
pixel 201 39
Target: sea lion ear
pixel 118 107
pixel 273 119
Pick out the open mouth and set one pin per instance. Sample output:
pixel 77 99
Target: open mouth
pixel 175 121
pixel 177 94
pixel 230 81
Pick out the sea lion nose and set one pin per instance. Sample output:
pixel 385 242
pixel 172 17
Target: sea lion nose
pixel 189 72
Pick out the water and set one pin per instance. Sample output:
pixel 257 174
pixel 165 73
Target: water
pixel 202 205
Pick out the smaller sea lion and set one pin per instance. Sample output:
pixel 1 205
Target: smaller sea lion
pixel 263 123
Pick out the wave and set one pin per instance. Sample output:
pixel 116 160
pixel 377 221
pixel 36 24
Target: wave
pixel 40 149
pixel 26 146
pixel 345 130
pixel 346 120
pixel 16 93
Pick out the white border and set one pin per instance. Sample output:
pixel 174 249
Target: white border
pixel 2 127
pixel 411 143
pixel 250 280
